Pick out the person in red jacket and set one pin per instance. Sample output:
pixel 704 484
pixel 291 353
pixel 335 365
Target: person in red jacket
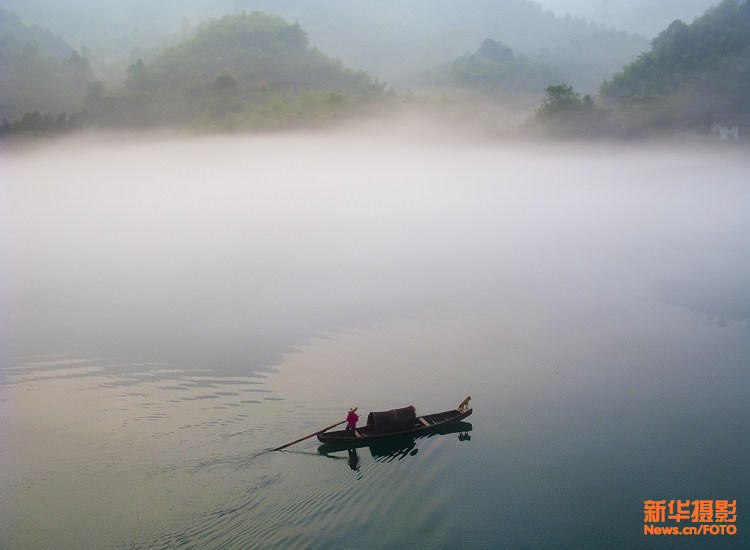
pixel 351 419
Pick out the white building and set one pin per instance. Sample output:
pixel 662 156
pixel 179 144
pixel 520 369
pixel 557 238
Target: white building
pixel 731 127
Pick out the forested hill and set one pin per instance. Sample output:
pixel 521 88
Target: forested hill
pixel 13 29
pixel 494 68
pixel 38 70
pixel 394 40
pixel 239 71
pixel 695 71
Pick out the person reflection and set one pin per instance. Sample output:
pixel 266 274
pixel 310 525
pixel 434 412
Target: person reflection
pixel 353 459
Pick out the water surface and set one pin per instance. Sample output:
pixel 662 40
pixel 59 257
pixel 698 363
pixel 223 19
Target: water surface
pixel 174 307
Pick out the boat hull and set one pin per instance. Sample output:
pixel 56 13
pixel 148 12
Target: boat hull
pixel 398 445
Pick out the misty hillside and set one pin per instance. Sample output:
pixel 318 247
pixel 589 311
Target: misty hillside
pixel 38 70
pixel 694 75
pixel 693 71
pixel 12 28
pixel 646 17
pixel 394 40
pixel 495 67
pixel 239 71
pixel 401 41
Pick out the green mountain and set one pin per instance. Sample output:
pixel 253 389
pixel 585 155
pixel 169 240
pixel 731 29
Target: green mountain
pixel 38 70
pixel 239 71
pixel 396 41
pixel 12 28
pixel 692 73
pixel 494 67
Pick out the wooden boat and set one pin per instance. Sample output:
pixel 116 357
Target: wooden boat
pixel 385 449
pixel 397 422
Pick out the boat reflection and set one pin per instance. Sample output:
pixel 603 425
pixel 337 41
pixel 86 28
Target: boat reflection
pixel 393 448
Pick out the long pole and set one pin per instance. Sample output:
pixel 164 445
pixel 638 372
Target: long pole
pixel 308 436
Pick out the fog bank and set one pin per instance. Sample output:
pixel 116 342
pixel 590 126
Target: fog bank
pixel 252 245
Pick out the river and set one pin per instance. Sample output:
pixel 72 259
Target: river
pixel 175 306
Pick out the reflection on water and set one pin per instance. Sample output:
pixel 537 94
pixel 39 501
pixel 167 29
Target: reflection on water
pixel 396 447
pixel 162 436
pixel 175 310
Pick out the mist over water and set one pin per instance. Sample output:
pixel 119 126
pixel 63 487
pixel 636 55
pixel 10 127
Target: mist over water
pixel 176 305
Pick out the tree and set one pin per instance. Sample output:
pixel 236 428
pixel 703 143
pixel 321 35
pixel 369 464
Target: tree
pixel 495 51
pixel 561 98
pixel 564 113
pixel 494 67
pixel 226 85
pixel 137 78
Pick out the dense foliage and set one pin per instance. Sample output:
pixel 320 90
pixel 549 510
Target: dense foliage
pixel 692 73
pixel 494 66
pixel 564 113
pixel 694 76
pixel 239 71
